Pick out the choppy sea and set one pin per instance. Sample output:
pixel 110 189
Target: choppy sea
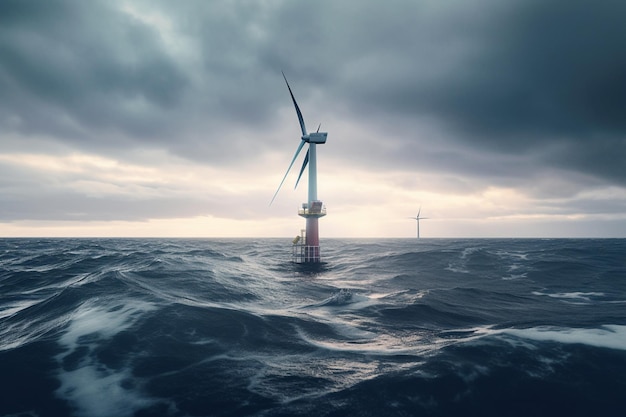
pixel 391 327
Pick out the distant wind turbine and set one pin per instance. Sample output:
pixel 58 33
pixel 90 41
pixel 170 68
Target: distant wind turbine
pixel 418 218
pixel 313 209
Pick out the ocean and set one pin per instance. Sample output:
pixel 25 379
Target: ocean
pixel 382 327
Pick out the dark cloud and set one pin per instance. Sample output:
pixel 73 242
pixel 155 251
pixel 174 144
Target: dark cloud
pixel 507 78
pixel 509 93
pixel 73 69
pixel 102 78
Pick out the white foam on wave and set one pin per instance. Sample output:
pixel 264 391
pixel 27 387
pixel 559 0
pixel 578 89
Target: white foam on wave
pixel 459 266
pixel 574 295
pixel 92 318
pixel 346 299
pixel 512 255
pixel 94 389
pixel 11 309
pixel 98 392
pixel 14 335
pixel 469 251
pixel 460 269
pixel 342 297
pixel 610 336
pixel 513 277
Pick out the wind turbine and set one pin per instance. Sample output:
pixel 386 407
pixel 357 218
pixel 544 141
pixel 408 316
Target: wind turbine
pixel 418 218
pixel 313 209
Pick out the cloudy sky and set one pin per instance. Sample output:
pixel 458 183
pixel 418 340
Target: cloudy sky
pixel 160 118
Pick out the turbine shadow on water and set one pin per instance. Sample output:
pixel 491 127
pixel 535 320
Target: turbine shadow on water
pixel 312 268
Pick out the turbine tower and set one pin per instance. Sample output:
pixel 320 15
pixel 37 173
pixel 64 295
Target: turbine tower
pixel 418 218
pixel 313 209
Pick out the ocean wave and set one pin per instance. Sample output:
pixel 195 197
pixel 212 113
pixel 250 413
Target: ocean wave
pixel 611 336
pixel 173 327
pixel 574 295
pixel 94 388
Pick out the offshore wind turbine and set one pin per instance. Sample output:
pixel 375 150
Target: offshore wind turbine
pixel 418 218
pixel 313 209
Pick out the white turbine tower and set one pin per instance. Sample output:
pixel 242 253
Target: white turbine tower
pixel 313 209
pixel 418 218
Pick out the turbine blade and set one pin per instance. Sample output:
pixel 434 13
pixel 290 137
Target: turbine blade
pixel 419 211
pixel 306 161
pixel 318 128
pixel 290 165
pixel 300 118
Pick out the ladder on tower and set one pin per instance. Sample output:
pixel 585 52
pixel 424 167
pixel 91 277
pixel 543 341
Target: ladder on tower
pixel 303 253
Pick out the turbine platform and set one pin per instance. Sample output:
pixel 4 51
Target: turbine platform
pixel 303 253
pixel 316 209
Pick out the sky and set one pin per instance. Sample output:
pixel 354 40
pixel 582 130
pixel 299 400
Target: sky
pixel 172 119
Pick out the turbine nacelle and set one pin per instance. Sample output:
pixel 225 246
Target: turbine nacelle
pixel 317 137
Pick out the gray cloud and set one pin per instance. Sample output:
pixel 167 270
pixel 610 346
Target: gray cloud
pixel 507 79
pixel 510 93
pixel 72 69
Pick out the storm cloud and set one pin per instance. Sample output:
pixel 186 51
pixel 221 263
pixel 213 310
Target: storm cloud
pixel 528 95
